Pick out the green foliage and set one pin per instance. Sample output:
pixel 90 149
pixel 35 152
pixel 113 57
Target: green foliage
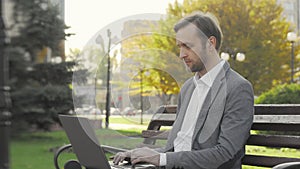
pixel 38 91
pixel 38 24
pixel 281 94
pixel 255 28
pixel 154 55
pixel 154 82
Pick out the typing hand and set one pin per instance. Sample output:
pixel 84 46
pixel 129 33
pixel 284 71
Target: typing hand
pixel 121 156
pixel 145 154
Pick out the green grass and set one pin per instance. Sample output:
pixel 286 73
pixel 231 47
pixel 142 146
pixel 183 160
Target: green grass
pixel 134 120
pixel 31 150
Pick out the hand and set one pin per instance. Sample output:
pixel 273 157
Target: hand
pixel 145 154
pixel 119 157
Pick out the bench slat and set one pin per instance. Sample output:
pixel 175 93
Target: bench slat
pixel 277 109
pixel 260 109
pixel 276 126
pixel 266 161
pixel 275 141
pixel 267 118
pixel 155 134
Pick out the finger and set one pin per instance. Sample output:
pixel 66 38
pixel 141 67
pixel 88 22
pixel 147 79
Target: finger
pixel 117 158
pixel 135 161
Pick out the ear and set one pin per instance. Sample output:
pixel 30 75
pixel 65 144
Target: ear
pixel 212 42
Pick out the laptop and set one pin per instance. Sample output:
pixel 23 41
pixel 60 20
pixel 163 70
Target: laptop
pixel 86 145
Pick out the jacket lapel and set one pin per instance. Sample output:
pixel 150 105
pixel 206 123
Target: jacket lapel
pixel 207 120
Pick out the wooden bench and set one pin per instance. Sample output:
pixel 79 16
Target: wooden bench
pixel 284 118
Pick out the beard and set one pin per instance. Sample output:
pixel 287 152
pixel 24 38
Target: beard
pixel 200 63
pixel 197 67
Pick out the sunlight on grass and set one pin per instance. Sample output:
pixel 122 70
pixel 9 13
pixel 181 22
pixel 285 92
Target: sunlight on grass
pixel 135 120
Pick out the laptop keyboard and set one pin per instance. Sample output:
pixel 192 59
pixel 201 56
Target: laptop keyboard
pixel 130 166
pixel 117 167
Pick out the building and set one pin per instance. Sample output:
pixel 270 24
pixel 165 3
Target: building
pixel 291 12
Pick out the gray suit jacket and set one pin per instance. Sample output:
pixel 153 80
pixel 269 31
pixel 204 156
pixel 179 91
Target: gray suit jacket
pixel 223 125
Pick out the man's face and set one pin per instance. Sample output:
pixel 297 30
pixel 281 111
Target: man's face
pixel 192 51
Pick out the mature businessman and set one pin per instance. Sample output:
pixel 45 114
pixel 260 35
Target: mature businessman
pixel 215 106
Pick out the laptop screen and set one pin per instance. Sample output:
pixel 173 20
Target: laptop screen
pixel 84 142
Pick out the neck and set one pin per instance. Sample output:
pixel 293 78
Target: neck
pixel 208 66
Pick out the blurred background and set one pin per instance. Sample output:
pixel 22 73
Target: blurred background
pixel 68 57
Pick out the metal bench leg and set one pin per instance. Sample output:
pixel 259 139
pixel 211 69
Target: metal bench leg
pixel 290 165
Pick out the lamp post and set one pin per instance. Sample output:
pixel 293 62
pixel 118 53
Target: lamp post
pixel 4 99
pixel 292 37
pixel 142 102
pixel 114 40
pixel 239 56
pixel 107 106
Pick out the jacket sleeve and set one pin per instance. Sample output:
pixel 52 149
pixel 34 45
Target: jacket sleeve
pixel 234 132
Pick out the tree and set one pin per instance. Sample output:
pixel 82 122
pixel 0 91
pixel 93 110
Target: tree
pixel 152 82
pixel 39 91
pixel 40 94
pixel 37 23
pixel 254 27
pixel 148 52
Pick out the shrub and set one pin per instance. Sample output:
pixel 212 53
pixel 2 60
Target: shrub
pixel 282 94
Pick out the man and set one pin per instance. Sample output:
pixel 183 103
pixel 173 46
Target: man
pixel 215 107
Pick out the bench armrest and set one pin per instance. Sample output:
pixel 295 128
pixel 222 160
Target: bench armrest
pixel 57 153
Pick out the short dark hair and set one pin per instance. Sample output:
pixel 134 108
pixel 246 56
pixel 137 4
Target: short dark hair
pixel 206 22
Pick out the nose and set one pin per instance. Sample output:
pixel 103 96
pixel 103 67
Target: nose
pixel 183 53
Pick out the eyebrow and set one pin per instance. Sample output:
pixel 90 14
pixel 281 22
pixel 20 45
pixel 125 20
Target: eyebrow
pixel 186 43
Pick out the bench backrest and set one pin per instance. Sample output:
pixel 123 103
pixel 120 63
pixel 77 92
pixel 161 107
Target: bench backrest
pixel 280 117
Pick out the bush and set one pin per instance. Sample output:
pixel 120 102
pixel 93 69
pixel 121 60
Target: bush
pixel 282 94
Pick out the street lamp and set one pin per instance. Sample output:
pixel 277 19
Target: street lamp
pixel 143 73
pixel 142 102
pixel 292 37
pixel 234 55
pixel 99 40
pixel 114 40
pixel 107 106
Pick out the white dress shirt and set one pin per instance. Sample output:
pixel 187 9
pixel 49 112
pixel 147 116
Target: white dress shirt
pixel 183 141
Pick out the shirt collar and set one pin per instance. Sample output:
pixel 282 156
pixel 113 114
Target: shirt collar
pixel 210 76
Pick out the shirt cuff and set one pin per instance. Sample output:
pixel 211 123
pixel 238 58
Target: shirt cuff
pixel 163 159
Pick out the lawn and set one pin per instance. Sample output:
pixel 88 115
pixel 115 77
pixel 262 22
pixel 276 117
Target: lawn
pixel 33 150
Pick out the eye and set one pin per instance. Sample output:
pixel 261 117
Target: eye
pixel 184 45
pixel 187 46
